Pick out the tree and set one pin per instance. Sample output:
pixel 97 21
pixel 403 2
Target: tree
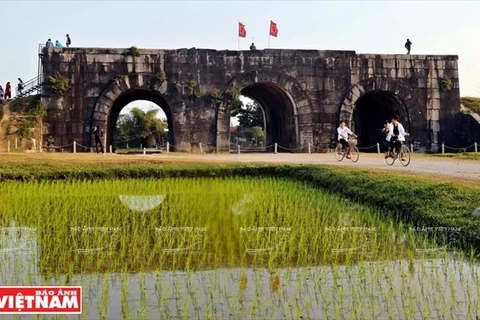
pixel 251 122
pixel 250 115
pixel 139 126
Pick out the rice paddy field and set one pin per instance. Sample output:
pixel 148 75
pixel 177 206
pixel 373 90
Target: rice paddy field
pixel 228 248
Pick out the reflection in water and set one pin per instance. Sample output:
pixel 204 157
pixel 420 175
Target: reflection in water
pixel 404 289
pixel 437 289
pixel 141 203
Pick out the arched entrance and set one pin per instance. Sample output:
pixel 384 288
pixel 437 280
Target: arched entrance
pixel 134 95
pixel 371 111
pixel 125 89
pixel 372 101
pixel 283 102
pixel 279 113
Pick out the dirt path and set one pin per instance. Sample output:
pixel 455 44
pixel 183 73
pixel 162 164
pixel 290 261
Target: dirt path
pixel 4 126
pixel 419 163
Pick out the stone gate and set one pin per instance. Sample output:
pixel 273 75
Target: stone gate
pixel 303 93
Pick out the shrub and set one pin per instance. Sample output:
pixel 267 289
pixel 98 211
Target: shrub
pixel 58 84
pixel 447 83
pixel 216 96
pixel 161 76
pixel 36 107
pixel 132 51
pixel 191 85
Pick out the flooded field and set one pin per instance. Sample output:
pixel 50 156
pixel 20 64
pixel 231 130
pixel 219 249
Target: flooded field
pixel 228 248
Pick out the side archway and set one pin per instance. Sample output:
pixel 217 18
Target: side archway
pixel 369 103
pixel 128 88
pixel 283 101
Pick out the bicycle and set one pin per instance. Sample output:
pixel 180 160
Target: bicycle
pixel 404 154
pixel 341 152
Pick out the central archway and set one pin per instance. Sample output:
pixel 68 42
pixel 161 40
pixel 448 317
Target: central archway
pixel 284 104
pixel 279 112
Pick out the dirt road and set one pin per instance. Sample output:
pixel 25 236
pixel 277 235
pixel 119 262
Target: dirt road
pixel 419 163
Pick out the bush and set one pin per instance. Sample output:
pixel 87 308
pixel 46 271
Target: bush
pixel 447 83
pixel 58 84
pixel 161 76
pixel 24 126
pixel 132 51
pixel 36 107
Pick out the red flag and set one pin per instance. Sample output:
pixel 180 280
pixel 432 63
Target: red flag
pixel 273 29
pixel 241 30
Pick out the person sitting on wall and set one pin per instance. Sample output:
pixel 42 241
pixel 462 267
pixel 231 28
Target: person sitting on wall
pixel 252 47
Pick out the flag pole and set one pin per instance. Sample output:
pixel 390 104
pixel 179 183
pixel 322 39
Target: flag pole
pixel 238 34
pixel 269 36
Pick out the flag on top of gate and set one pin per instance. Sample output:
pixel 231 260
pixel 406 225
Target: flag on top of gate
pixel 242 32
pixel 273 29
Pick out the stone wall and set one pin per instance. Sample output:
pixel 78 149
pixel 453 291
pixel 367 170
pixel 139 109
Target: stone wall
pixel 318 88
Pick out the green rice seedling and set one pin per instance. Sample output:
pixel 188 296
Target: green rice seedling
pixel 148 226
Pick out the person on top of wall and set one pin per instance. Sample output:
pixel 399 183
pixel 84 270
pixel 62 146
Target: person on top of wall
pixel 69 42
pixel 49 43
pixel 58 44
pixel 408 46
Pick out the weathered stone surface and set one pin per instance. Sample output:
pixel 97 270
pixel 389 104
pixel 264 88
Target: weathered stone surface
pixel 304 93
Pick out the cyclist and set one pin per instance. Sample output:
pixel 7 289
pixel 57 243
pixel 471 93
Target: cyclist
pixel 343 133
pixel 395 137
pixel 385 130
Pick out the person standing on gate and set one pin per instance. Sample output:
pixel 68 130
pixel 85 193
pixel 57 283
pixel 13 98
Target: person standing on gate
pixel 69 42
pixel 98 134
pixel 408 46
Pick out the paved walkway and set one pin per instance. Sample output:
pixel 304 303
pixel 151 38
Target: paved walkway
pixel 420 163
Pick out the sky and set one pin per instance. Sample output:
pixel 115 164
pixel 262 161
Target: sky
pixel 434 27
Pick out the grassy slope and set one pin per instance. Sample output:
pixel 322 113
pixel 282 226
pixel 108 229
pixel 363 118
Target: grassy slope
pixel 423 200
pixel 471 103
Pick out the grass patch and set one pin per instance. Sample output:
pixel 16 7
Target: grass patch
pixel 472 103
pixel 230 219
pixel 20 105
pixel 463 155
pixel 411 199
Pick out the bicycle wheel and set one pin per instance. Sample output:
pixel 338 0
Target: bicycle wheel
pixel 354 154
pixel 390 159
pixel 404 156
pixel 339 154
